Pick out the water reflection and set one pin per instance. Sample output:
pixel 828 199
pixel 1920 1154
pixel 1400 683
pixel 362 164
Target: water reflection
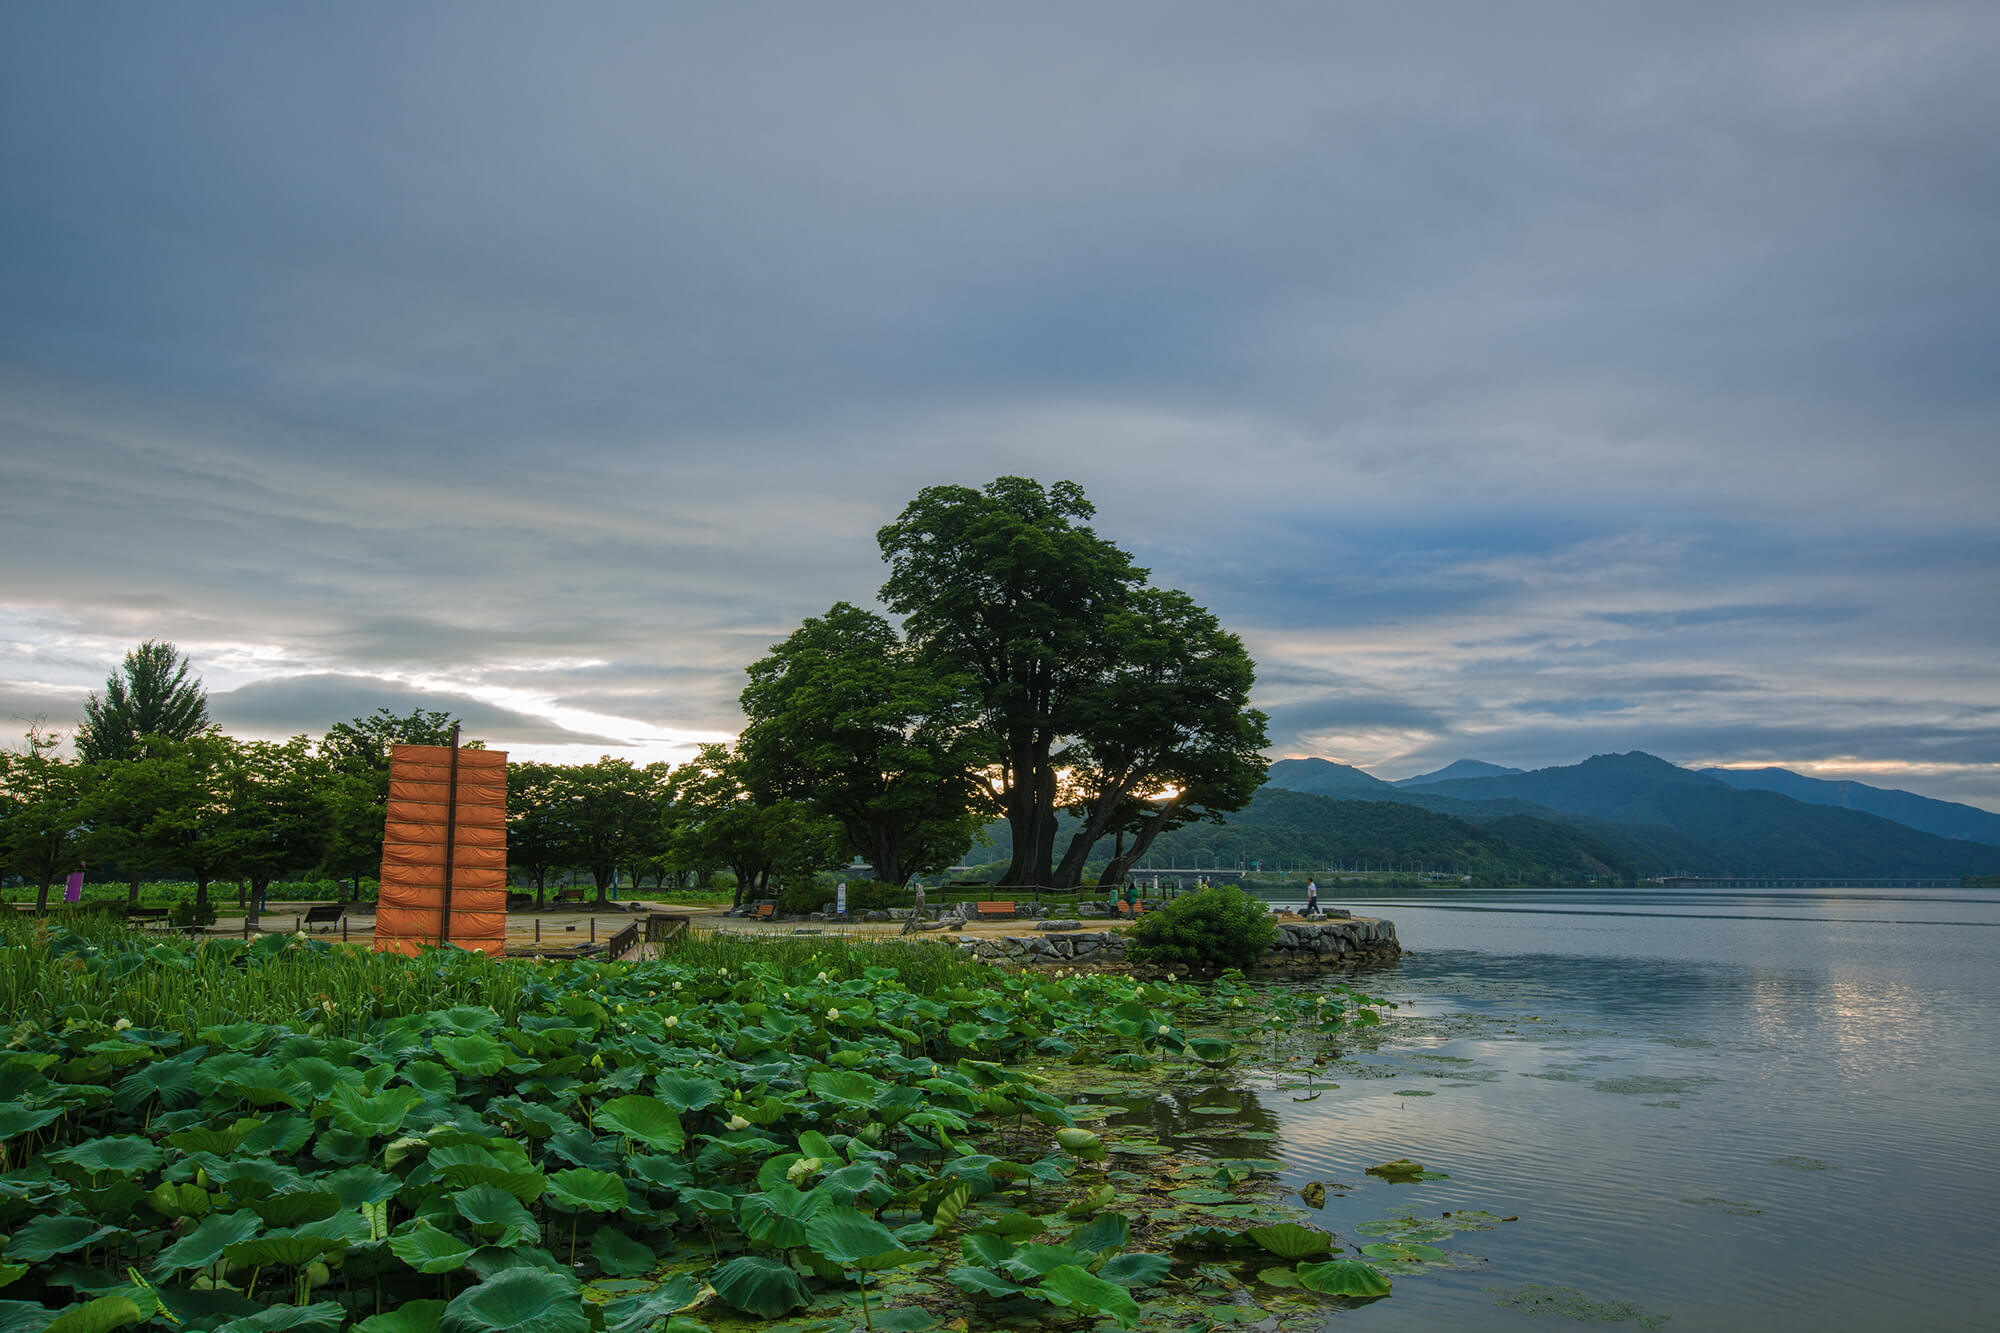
pixel 1791 1106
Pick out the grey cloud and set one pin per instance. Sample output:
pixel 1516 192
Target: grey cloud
pixel 311 704
pixel 1471 365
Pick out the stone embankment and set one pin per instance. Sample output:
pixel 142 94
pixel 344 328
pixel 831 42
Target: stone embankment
pixel 1301 945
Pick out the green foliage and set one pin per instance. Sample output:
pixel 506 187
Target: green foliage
pixel 151 694
pixel 845 718
pixel 1129 701
pixel 1214 928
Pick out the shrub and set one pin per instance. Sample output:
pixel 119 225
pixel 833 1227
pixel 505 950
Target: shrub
pixel 863 895
pixel 1209 929
pixel 190 913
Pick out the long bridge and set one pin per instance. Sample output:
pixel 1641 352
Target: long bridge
pixel 1808 882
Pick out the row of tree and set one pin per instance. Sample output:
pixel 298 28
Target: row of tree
pixel 209 808
pixel 1036 673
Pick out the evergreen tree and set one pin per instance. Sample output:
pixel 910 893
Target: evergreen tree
pixel 151 694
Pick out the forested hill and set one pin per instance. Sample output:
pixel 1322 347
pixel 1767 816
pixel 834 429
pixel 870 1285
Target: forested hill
pixel 1749 832
pixel 1300 831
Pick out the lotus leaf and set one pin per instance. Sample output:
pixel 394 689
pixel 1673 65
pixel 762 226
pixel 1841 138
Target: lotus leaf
pixel 45 1237
pixel 1343 1277
pixel 21 1119
pixel 280 1136
pixel 646 1119
pixel 465 1020
pixel 860 1181
pixel 520 1300
pixel 203 1138
pixel 428 1249
pixel 288 1208
pixel 1289 1240
pixel 983 1282
pixel 434 1080
pixel 618 1254
pixel 1070 1285
pixel 123 1153
pixel 1032 1261
pixel 759 1286
pixel 947 1206
pixel 376 1116
pixel 98 1316
pixel 812 1143
pixel 496 1216
pixel 1136 1270
pixel 472 1054
pixel 630 1313
pixel 204 1245
pixel 409 1317
pixel 845 1087
pixel 581 1189
pixel 293 1250
pixel 853 1239
pixel 1106 1231
pixel 687 1094
pixel 356 1185
pixel 777 1216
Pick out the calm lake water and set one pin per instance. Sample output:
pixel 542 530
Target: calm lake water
pixel 1758 1110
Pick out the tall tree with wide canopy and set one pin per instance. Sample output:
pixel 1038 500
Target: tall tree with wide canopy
pixel 151 694
pixel 605 812
pixel 843 717
pixel 1007 586
pixel 1170 736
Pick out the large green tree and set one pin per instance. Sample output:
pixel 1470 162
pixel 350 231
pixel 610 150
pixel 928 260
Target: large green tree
pixel 278 814
pixel 43 811
pixel 1125 704
pixel 151 694
pixel 845 718
pixel 604 813
pixel 1008 586
pixel 718 821
pixel 1168 735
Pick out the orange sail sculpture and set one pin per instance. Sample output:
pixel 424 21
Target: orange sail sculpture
pixel 443 797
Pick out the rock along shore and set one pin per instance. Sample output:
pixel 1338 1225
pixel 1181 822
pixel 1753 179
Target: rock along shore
pixel 1301 946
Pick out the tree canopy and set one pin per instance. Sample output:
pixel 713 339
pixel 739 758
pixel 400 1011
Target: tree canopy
pixel 844 717
pixel 1096 692
pixel 151 694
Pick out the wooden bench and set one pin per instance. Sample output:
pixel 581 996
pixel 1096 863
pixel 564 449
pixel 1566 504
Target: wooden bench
pixel 763 911
pixel 323 914
pixel 145 916
pixel 995 908
pixel 570 895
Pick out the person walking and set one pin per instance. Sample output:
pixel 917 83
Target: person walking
pixel 1312 897
pixel 1131 900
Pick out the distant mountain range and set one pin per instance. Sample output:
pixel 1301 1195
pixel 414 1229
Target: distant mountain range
pixel 1462 768
pixel 1947 819
pixel 1656 818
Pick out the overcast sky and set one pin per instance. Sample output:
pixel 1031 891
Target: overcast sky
pixel 1521 381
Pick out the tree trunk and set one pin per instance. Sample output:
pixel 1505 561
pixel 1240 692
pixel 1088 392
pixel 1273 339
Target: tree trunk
pixel 132 888
pixel 42 894
pixel 1114 873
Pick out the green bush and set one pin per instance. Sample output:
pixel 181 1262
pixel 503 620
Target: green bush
pixel 190 913
pixel 863 895
pixel 1207 930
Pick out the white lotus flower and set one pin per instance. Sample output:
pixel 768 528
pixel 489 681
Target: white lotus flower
pixel 673 1021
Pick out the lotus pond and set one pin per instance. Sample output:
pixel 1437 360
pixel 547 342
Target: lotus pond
pixel 796 1135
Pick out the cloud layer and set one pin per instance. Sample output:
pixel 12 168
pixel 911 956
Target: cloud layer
pixel 1520 385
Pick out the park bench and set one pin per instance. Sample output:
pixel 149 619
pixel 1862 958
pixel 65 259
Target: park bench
pixel 995 908
pixel 146 916
pixel 570 895
pixel 520 902
pixel 763 911
pixel 323 914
